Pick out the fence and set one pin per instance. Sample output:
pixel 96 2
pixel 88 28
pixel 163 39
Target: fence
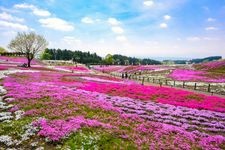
pixel 200 86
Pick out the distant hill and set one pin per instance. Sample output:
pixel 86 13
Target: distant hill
pixel 207 59
pixel 193 61
pixel 123 60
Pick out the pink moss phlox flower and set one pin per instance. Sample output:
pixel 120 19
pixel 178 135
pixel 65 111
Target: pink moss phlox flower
pixel 130 69
pixel 57 129
pixel 14 108
pixel 164 95
pixel 209 142
pixel 74 68
pixel 213 65
pixel 18 60
pixel 4 67
pixel 193 75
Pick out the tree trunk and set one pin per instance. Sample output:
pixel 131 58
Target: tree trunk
pixel 29 62
pixel 30 56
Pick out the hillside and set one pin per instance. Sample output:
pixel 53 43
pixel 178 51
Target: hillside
pixel 214 66
pixel 206 59
pixel 93 58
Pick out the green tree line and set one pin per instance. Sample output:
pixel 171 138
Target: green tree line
pixel 93 58
pixel 76 56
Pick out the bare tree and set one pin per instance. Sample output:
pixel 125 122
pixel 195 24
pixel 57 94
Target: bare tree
pixel 29 43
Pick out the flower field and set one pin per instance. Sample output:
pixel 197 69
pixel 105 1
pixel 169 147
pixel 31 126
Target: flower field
pixel 44 108
pixel 212 66
pixel 131 69
pixel 193 77
pixel 17 60
pixel 210 72
pixel 197 75
pixel 73 68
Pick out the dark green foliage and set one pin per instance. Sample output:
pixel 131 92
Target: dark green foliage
pixel 180 61
pixel 93 58
pixel 150 62
pixel 207 59
pixel 124 60
pixel 46 56
pixel 76 56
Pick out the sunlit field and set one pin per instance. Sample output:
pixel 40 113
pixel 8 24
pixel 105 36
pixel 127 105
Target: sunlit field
pixel 79 108
pixel 112 75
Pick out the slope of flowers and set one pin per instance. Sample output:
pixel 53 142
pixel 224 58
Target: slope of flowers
pixel 5 67
pixel 73 103
pixel 20 60
pixel 195 75
pixel 57 129
pixel 147 93
pixel 212 66
pixel 101 80
pixel 130 69
pixel 108 69
pixel 74 68
pixel 159 94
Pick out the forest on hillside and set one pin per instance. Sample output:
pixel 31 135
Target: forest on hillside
pixel 93 58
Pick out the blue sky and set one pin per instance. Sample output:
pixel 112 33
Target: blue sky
pixel 140 28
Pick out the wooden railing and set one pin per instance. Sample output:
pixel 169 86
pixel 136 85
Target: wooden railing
pixel 212 88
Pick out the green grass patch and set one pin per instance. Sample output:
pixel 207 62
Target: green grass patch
pixel 14 128
pixel 39 103
pixel 93 138
pixel 97 112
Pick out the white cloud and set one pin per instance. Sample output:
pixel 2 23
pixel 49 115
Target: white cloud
pixel 117 30
pixel 6 37
pixel 211 39
pixel 12 25
pixel 121 38
pixel 41 12
pixel 196 38
pixel 36 11
pixel 24 5
pixel 8 17
pixel 87 20
pixel 167 17
pixel 178 39
pixel 97 20
pixel 163 25
pixel 176 46
pixel 193 39
pixel 56 24
pixel 206 8
pixel 50 1
pixel 9 33
pixel 8 10
pixel 211 19
pixel 101 41
pixel 71 40
pixel 113 21
pixel 148 3
pixel 211 28
pixel 32 29
pixel 151 44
